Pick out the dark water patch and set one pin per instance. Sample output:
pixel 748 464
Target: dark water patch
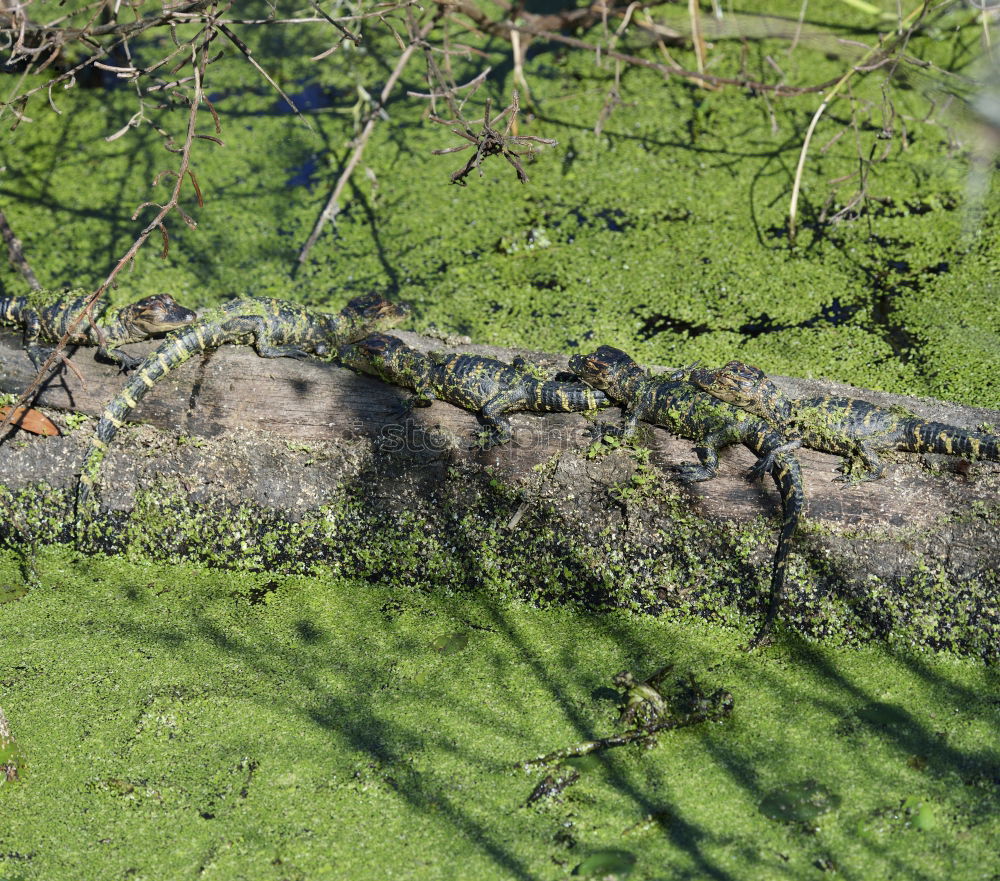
pixel 310 97
pixel 833 314
pixel 302 175
pixel 617 220
pixel 902 342
pixel 546 284
pixel 917 206
pixel 657 323
pixel 614 219
pixel 889 279
pixel 259 593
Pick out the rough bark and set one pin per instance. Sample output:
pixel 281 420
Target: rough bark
pixel 326 468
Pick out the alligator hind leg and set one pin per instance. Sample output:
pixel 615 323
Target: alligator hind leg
pixel 261 331
pixel 708 457
pixel 861 465
pixel 494 413
pixel 765 463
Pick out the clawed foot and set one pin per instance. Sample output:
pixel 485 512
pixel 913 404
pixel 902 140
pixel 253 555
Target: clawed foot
pixel 757 471
pixel 693 473
pixel 765 464
pixel 128 363
pixel 849 477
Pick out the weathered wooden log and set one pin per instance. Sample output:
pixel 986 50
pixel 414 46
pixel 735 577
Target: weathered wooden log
pixel 282 464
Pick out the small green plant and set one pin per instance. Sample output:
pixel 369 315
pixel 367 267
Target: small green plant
pixel 73 421
pixel 643 481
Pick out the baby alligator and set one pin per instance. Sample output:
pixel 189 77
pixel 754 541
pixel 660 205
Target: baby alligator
pixel 683 410
pixel 46 316
pixel 275 328
pixel 845 426
pixel 473 382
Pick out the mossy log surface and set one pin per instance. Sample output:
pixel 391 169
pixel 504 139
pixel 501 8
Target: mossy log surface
pixel 283 465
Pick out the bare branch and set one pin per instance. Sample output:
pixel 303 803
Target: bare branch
pixel 331 208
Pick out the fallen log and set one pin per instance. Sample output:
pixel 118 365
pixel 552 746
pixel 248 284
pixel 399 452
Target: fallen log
pixel 288 466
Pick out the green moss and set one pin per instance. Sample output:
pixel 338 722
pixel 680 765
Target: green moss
pixel 451 540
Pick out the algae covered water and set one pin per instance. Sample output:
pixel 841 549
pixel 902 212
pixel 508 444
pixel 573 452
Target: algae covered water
pixel 172 722
pixel 179 722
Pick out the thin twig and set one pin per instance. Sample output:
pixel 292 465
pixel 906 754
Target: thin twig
pixel 718 706
pixel 239 44
pixel 331 208
pixel 880 49
pixel 503 28
pixel 354 38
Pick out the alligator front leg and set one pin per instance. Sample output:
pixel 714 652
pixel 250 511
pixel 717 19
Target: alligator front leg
pixel 624 432
pixel 126 362
pixel 708 457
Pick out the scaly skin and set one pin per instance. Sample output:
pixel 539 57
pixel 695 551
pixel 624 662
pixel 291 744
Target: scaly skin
pixel 46 317
pixel 680 408
pixel 275 328
pixel 485 385
pixel 844 426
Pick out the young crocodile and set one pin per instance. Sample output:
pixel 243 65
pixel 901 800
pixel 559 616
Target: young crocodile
pixel 683 410
pixel 490 387
pixel 46 316
pixel 275 328
pixel 845 426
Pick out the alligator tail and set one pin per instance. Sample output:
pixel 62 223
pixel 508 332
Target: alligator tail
pixel 939 437
pixel 170 355
pixel 787 476
pixel 11 309
pixel 568 397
